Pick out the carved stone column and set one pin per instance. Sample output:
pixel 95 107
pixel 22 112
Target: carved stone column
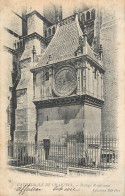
pixel 93 81
pixel 101 86
pixel 38 86
pixel 88 78
pixel 34 81
pixel 42 86
pixel 50 81
pixel 97 83
pixel 84 77
pixel 79 78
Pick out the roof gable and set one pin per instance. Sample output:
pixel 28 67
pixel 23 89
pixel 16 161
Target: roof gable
pixel 65 43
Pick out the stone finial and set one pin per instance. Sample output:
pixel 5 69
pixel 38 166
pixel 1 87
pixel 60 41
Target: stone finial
pixel 76 11
pixel 81 41
pixel 57 17
pixel 33 52
pixel 100 51
pixel 80 47
pixel 49 58
pixel 85 32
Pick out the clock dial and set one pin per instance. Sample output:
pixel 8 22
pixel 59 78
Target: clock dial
pixel 65 81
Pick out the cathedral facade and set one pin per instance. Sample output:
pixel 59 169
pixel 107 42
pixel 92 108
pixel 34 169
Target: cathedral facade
pixel 64 77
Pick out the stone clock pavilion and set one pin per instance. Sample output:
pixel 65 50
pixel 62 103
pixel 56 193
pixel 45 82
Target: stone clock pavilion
pixel 67 84
pixel 63 73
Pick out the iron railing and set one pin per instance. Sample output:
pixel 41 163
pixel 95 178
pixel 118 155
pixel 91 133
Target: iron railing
pixel 94 152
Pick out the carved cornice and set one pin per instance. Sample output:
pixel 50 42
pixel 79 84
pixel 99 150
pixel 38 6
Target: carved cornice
pixel 32 36
pixel 71 100
pixel 63 62
pixel 93 101
pixel 95 63
pixel 80 47
pixel 81 57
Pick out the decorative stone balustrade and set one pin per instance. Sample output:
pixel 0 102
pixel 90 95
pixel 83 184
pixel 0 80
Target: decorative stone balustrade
pixel 18 44
pixel 50 31
pixel 67 20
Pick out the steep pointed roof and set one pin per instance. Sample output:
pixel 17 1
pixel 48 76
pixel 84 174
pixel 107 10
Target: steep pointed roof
pixel 64 43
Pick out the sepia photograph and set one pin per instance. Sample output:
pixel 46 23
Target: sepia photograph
pixel 62 81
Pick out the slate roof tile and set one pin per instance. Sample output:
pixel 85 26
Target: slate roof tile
pixel 63 45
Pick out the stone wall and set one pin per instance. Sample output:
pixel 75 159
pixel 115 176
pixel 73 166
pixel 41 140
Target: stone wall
pixel 34 24
pixel 5 69
pixel 31 111
pixel 110 63
pixel 21 121
pixel 29 47
pixel 56 122
pixel 25 114
pixel 93 81
pixel 92 120
pixel 25 106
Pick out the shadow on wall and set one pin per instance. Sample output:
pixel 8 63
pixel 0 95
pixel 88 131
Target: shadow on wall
pixel 55 123
pixel 65 113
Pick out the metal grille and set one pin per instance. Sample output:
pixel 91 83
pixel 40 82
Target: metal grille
pixel 94 152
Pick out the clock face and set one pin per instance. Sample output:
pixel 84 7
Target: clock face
pixel 65 81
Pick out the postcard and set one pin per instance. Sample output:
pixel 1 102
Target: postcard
pixel 62 98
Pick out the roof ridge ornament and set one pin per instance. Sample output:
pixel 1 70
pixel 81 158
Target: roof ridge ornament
pixel 57 19
pixel 100 51
pixel 85 33
pixel 66 20
pixel 76 11
pixel 49 58
pixel 34 53
pixel 82 42
pixel 80 47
